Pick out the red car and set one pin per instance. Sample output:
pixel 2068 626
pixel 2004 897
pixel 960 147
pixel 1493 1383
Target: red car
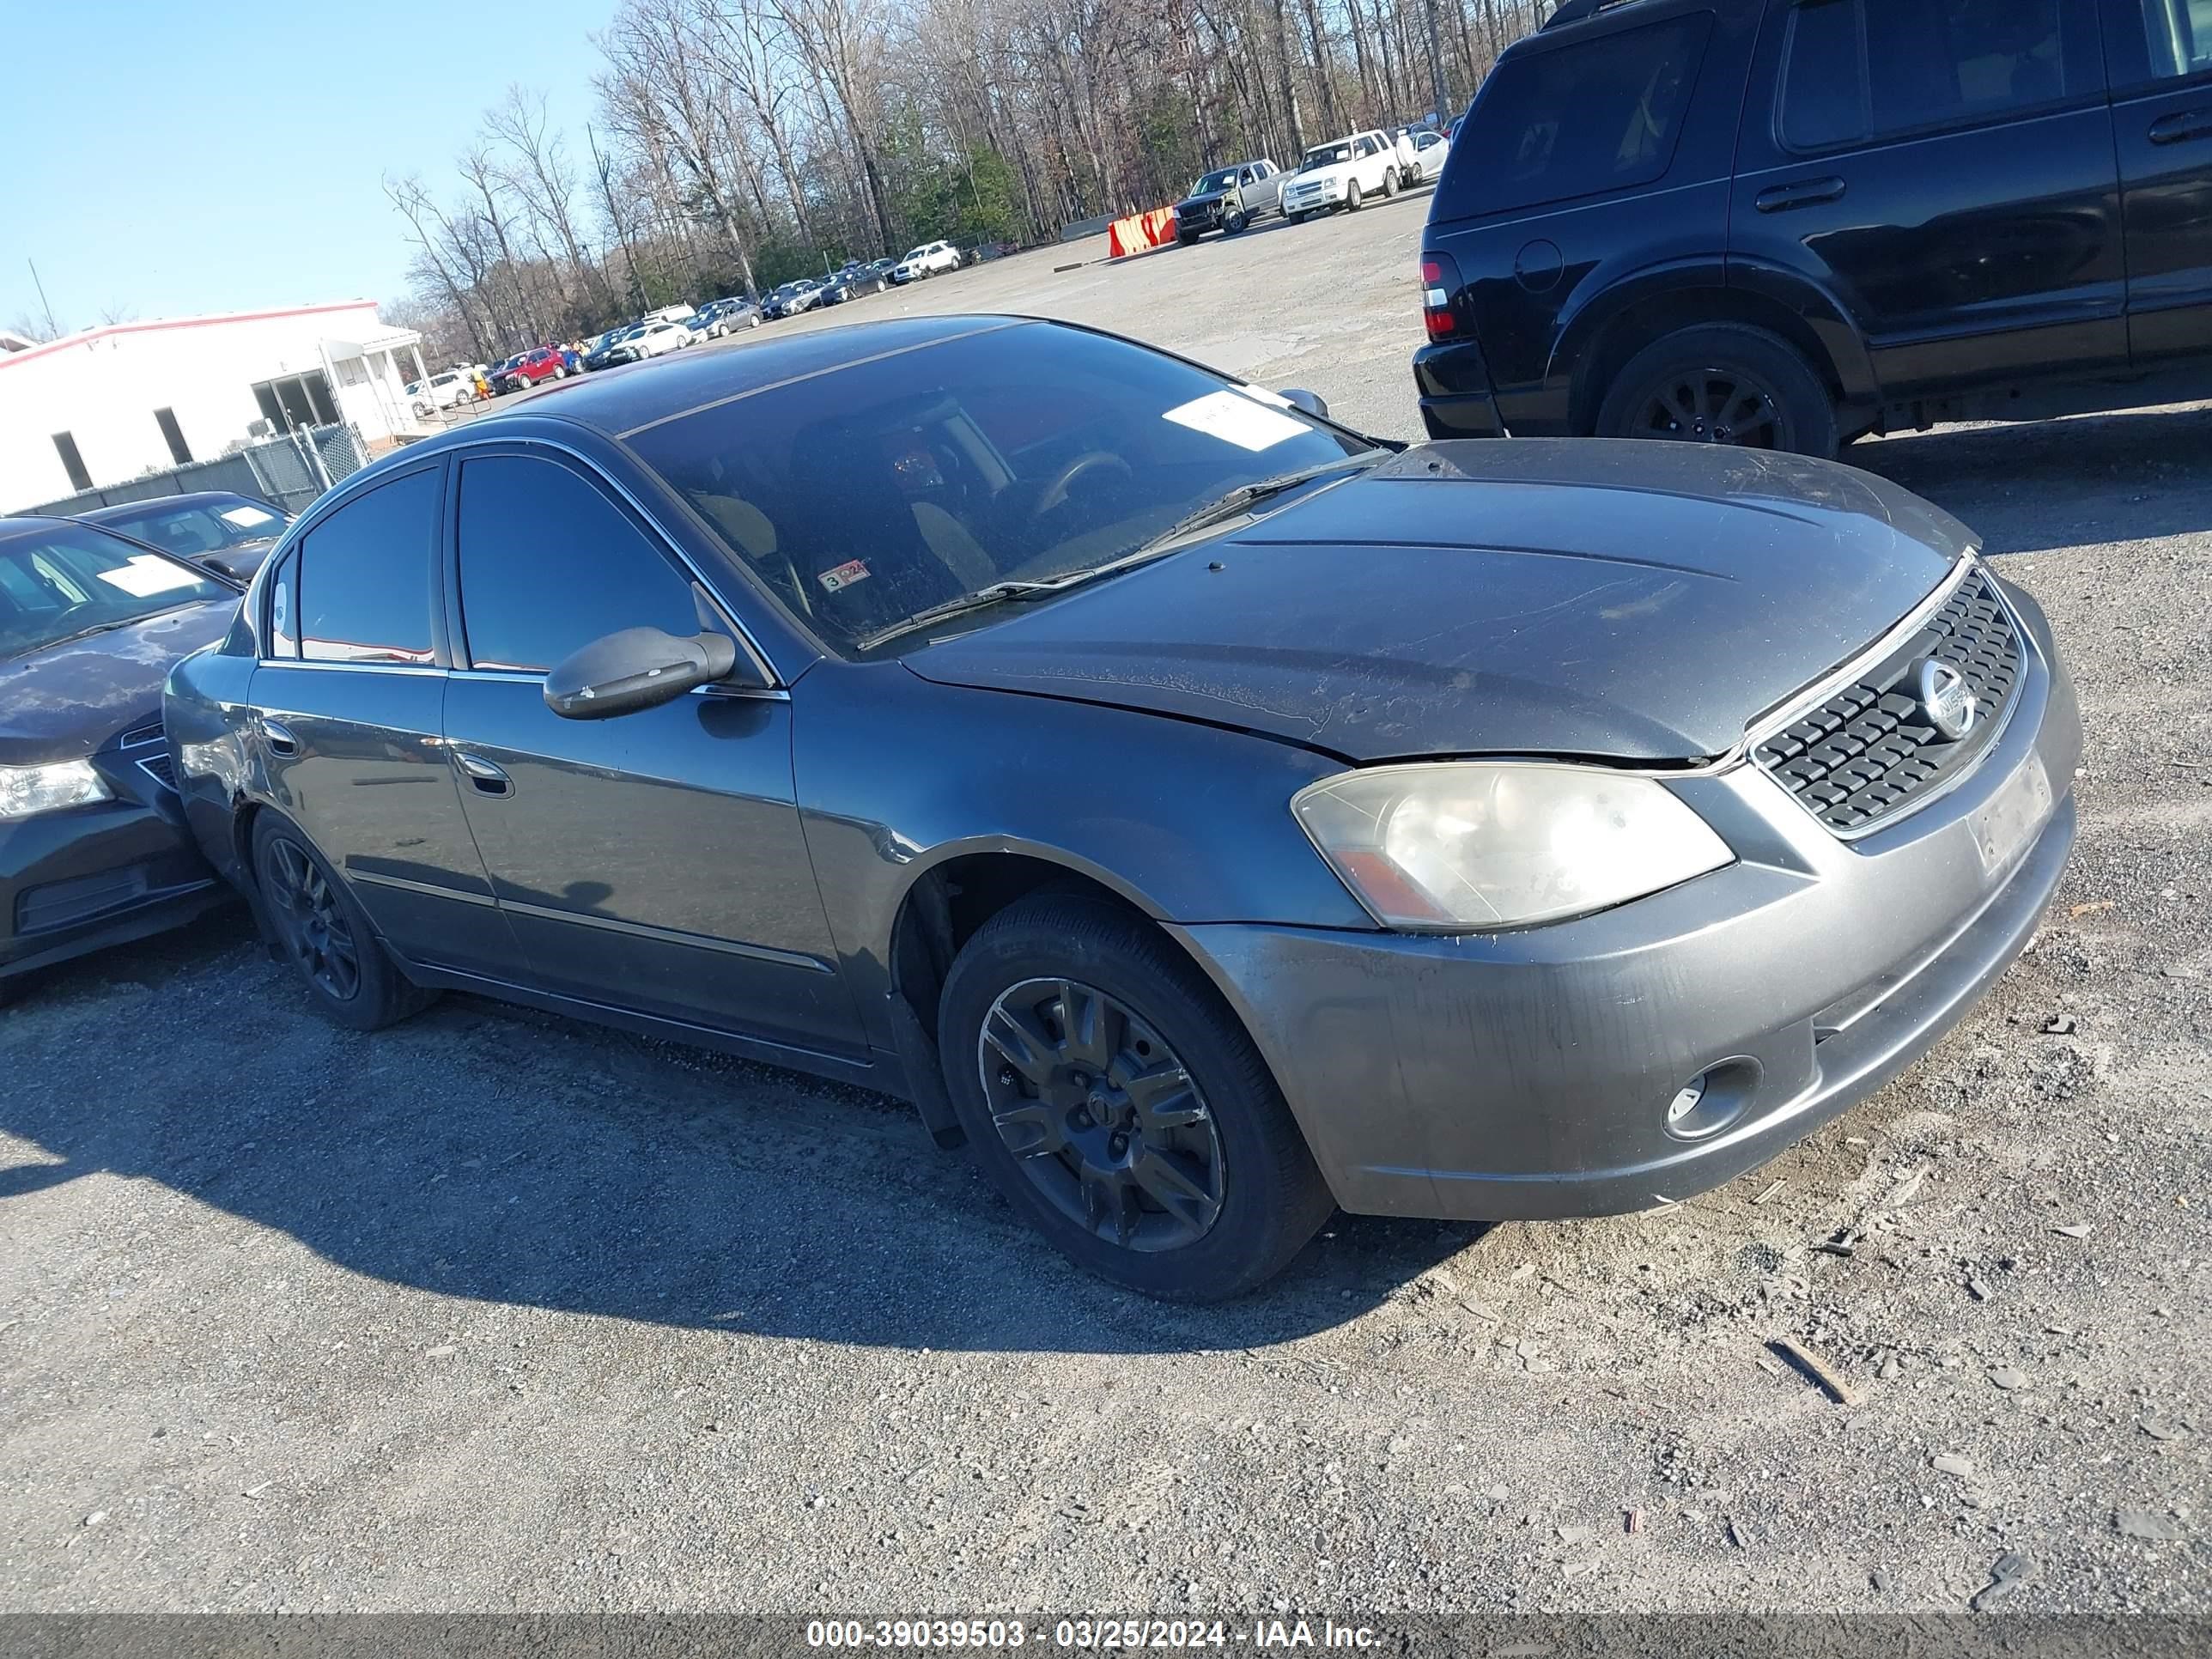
pixel 546 363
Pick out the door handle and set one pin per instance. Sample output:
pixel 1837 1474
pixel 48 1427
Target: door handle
pixel 2182 127
pixel 1805 192
pixel 488 779
pixel 279 737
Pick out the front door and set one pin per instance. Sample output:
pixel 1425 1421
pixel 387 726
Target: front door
pixel 351 697
pixel 654 862
pixel 1944 170
pixel 2161 52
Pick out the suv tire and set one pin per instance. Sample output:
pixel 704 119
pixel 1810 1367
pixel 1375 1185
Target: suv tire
pixel 1214 1116
pixel 1724 383
pixel 1352 196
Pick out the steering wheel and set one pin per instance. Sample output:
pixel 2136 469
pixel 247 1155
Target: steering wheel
pixel 1054 495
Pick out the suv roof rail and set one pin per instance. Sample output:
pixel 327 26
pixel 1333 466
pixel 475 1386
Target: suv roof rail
pixel 1573 11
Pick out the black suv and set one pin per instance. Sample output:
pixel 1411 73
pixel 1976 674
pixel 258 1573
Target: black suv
pixel 1787 222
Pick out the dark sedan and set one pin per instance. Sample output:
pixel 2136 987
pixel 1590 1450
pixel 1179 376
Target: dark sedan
pixel 226 532
pixel 1208 814
pixel 92 845
pixel 791 299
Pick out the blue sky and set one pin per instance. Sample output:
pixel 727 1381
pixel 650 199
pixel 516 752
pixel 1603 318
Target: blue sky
pixel 176 160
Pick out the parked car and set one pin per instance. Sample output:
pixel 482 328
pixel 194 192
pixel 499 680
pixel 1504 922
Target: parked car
pixel 92 845
pixel 496 377
pixel 656 338
pixel 850 283
pixel 1229 198
pixel 930 259
pixel 675 314
pixel 792 298
pixel 536 367
pixel 439 391
pixel 1460 889
pixel 724 317
pixel 1343 173
pixel 227 533
pixel 607 353
pixel 1781 226
pixel 1428 151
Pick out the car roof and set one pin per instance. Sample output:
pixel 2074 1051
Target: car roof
pixel 619 401
pixel 132 509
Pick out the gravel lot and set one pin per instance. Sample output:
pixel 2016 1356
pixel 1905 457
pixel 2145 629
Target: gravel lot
pixel 494 1312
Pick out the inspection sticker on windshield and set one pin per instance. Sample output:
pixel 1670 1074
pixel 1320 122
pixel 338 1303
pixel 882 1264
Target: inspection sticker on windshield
pixel 146 575
pixel 245 518
pixel 1237 419
pixel 844 575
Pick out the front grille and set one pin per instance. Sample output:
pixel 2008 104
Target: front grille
pixel 1870 752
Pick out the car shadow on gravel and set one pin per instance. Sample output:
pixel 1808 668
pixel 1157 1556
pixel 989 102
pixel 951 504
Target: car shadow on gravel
pixel 2044 487
pixel 495 1154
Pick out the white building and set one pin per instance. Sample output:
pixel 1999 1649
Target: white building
pixel 109 404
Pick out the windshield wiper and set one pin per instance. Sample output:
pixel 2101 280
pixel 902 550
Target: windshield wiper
pixel 996 594
pixel 1229 504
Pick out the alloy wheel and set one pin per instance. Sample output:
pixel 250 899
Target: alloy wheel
pixel 1101 1115
pixel 1713 407
pixel 312 920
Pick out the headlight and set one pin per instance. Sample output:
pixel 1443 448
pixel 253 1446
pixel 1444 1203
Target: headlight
pixel 1466 846
pixel 28 789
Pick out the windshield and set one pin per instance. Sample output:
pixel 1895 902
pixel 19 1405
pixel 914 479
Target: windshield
pixel 63 581
pixel 1325 155
pixel 1220 179
pixel 200 528
pixel 865 494
pixel 915 253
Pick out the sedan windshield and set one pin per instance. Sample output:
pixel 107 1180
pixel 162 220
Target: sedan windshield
pixel 1022 453
pixel 62 581
pixel 203 527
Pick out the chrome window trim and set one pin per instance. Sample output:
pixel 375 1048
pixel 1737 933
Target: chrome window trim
pixel 326 664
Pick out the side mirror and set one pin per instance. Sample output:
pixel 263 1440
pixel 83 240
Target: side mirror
pixel 1299 398
pixel 636 668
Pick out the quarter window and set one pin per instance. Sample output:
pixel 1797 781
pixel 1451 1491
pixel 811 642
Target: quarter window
pixel 2179 32
pixel 364 583
pixel 548 564
pixel 1858 70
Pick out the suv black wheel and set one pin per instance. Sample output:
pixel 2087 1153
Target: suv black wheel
pixel 325 934
pixel 1721 383
pixel 1113 1098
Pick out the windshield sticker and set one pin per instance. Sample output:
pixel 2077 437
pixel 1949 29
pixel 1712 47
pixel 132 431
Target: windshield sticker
pixel 148 575
pixel 844 575
pixel 1236 419
pixel 1264 395
pixel 246 517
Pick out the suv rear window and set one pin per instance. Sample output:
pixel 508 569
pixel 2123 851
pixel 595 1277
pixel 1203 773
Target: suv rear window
pixel 1856 72
pixel 1576 119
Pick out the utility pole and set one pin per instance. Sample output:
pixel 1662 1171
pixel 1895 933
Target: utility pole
pixel 45 305
pixel 1436 68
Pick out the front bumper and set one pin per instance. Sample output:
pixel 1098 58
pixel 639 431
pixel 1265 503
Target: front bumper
pixel 1526 1075
pixel 89 877
pixel 1314 198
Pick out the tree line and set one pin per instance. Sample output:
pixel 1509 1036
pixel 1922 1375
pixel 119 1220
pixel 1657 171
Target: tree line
pixel 736 144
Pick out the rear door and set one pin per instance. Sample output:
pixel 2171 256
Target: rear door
pixel 2161 52
pixel 1943 170
pixel 351 695
pixel 652 862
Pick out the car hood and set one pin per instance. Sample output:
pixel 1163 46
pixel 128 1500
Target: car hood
pixel 1617 600
pixel 66 701
pixel 1304 175
pixel 1211 198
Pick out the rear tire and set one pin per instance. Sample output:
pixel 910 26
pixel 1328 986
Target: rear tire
pixel 1111 1025
pixel 1389 184
pixel 325 935
pixel 1724 383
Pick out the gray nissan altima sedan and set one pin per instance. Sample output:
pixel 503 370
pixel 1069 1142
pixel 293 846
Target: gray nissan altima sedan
pixel 1206 813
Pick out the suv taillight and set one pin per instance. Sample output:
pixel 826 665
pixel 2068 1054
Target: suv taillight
pixel 1439 286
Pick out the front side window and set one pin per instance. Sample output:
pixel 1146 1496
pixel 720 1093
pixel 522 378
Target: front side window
pixel 63 582
pixel 548 564
pixel 364 581
pixel 2179 32
pixel 1859 70
pixel 1575 119
pixel 865 495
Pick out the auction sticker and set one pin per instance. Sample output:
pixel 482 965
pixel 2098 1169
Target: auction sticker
pixel 1235 418
pixel 844 575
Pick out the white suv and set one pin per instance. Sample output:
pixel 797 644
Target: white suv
pixel 1343 172
pixel 926 261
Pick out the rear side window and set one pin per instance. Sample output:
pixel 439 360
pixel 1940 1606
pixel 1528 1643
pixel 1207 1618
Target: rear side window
pixel 364 581
pixel 548 564
pixel 1575 120
pixel 1859 70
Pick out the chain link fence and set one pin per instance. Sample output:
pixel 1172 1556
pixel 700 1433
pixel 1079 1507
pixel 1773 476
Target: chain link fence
pixel 287 471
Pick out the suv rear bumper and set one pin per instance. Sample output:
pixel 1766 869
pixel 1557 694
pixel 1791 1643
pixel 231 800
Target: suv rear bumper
pixel 1453 382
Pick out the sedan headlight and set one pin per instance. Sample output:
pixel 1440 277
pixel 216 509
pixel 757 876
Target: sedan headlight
pixel 1466 847
pixel 25 790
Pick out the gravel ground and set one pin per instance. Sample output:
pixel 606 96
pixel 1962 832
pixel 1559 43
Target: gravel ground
pixel 493 1312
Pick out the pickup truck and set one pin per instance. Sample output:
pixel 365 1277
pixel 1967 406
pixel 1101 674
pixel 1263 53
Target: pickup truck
pixel 1229 198
pixel 1344 172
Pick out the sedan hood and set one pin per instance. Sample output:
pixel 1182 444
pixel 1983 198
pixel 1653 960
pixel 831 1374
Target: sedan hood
pixel 63 703
pixel 1617 600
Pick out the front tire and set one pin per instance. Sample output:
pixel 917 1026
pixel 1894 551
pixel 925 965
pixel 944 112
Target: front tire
pixel 1236 223
pixel 1110 1094
pixel 325 935
pixel 1723 383
pixel 1298 218
pixel 1352 196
